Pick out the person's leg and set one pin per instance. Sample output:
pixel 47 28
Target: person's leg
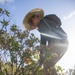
pixel 58 50
pixel 53 72
pixel 47 70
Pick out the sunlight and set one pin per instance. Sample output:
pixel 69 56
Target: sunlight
pixel 68 61
pixel 50 36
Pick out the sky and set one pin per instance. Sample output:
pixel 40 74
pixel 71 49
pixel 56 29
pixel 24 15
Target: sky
pixel 64 9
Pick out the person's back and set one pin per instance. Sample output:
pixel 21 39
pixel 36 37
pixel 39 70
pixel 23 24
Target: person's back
pixel 52 32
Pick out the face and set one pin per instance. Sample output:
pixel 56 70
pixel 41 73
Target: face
pixel 35 20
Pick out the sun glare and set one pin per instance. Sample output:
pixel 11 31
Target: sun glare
pixel 68 61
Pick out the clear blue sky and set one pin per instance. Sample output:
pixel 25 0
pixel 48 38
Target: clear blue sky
pixel 65 9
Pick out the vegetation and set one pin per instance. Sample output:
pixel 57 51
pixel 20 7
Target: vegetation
pixel 19 50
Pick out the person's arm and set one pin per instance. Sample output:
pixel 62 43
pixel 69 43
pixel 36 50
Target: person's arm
pixel 53 18
pixel 42 27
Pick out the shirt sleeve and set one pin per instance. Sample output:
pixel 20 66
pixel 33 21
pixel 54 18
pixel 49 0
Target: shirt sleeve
pixel 53 18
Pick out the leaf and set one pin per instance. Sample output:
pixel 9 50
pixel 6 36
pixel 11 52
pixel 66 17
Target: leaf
pixel 32 34
pixel 36 57
pixel 5 23
pixel 13 27
pixel 7 13
pixel 1 10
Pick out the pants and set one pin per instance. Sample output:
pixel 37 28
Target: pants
pixel 58 47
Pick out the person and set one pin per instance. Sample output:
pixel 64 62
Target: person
pixel 52 35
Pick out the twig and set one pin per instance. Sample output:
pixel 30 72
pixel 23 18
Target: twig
pixel 17 69
pixel 37 69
